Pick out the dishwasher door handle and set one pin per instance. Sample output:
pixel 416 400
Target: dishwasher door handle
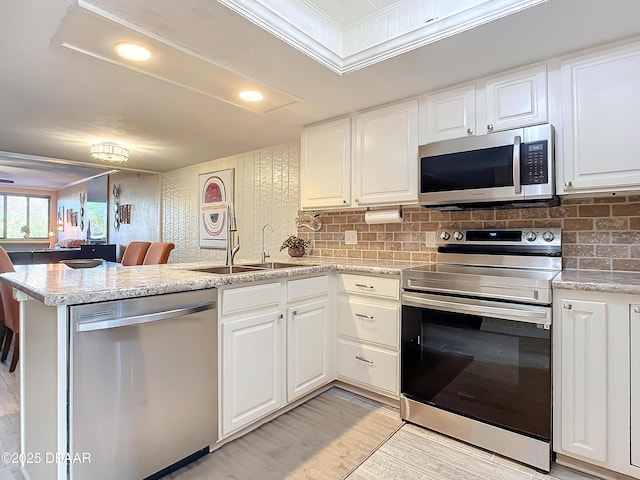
pixel 93 326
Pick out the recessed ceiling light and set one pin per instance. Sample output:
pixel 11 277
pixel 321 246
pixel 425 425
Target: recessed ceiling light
pixel 251 96
pixel 131 51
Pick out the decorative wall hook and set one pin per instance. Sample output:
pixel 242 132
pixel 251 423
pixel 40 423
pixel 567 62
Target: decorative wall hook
pixel 310 221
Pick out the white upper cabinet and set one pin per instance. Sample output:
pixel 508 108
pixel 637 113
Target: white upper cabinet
pixel 386 155
pixel 383 169
pixel 450 114
pixel 600 105
pixel 511 100
pixel 325 168
pixel 516 100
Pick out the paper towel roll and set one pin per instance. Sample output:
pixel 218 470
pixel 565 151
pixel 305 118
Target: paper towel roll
pixel 383 216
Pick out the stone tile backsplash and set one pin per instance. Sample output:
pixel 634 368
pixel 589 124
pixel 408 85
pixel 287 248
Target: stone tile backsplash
pixel 597 233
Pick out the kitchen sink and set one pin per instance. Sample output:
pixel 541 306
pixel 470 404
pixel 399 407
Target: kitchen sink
pixel 224 269
pixel 248 267
pixel 274 265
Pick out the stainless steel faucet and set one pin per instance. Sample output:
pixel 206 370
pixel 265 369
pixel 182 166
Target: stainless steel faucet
pixel 231 227
pixel 264 256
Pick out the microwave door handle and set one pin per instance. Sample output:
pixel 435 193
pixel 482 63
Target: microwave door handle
pixel 516 164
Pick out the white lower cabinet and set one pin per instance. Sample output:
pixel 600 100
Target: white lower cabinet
pixel 583 356
pixel 368 332
pixel 634 316
pixel 309 334
pixel 596 351
pixel 265 360
pixel 252 369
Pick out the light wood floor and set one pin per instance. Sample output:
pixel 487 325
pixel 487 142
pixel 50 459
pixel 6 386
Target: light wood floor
pixel 413 453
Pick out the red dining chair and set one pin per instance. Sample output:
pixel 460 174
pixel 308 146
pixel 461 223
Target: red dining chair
pixel 11 314
pixel 134 253
pixel 158 253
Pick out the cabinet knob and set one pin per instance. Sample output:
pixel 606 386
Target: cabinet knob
pixel 567 306
pixel 568 184
pixel 490 128
pixel 344 201
pixel 469 131
pixel 636 309
pixel 280 317
pixel 357 200
pixel 294 312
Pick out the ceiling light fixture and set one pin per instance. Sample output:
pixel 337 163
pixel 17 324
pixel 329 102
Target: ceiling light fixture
pixel 109 152
pixel 251 96
pixel 132 51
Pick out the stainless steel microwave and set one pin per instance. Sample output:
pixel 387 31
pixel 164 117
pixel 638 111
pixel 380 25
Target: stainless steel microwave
pixel 510 166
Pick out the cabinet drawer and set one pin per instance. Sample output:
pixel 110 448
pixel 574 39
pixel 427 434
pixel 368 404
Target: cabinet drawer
pixel 377 286
pixel 246 298
pixel 365 321
pixel 368 365
pixel 307 288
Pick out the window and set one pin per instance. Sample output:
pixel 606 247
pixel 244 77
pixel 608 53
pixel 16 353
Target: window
pixel 23 216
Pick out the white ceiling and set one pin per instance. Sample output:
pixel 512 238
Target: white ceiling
pixel 55 101
pixel 344 13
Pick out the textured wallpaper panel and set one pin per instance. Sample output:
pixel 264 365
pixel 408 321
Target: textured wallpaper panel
pixel 266 191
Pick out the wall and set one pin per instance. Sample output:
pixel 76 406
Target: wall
pixel 53 219
pixel 69 198
pixel 142 192
pixel 266 191
pixel 597 233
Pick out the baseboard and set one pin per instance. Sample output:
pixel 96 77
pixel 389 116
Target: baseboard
pixel 590 469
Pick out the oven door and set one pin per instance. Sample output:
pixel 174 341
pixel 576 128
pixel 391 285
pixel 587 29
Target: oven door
pixel 489 361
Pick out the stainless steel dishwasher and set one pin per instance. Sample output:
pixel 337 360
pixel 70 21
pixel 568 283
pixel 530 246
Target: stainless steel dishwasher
pixel 143 385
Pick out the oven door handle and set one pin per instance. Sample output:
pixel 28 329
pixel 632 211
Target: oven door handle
pixel 520 313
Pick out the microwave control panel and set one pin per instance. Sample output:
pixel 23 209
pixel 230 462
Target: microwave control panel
pixel 534 162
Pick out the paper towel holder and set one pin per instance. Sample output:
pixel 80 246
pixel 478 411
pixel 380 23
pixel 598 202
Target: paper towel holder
pixel 383 215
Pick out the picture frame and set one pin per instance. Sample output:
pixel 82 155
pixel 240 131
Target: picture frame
pixel 215 191
pixel 61 218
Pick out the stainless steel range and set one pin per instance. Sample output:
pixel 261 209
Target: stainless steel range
pixel 476 340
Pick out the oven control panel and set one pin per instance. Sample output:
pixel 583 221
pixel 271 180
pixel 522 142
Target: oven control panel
pixel 548 237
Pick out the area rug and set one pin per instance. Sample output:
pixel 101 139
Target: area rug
pixel 326 438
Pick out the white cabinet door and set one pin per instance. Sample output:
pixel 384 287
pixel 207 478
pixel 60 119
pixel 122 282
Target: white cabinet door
pixel 386 157
pixel 451 114
pixel 252 369
pixel 325 170
pixel 583 378
pixel 516 100
pixel 634 315
pixel 308 350
pixel 600 105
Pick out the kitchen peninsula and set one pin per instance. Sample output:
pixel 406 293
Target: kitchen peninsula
pixel 58 304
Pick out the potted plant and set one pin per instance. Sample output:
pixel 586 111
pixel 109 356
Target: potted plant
pixel 295 245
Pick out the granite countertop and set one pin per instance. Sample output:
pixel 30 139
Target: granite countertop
pixel 599 281
pixel 57 284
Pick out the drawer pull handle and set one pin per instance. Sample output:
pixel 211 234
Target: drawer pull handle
pixel 366 317
pixel 362 285
pixel 358 357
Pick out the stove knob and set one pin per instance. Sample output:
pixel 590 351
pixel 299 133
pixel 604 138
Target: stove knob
pixel 445 236
pixel 531 236
pixel 548 236
pixel 458 236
